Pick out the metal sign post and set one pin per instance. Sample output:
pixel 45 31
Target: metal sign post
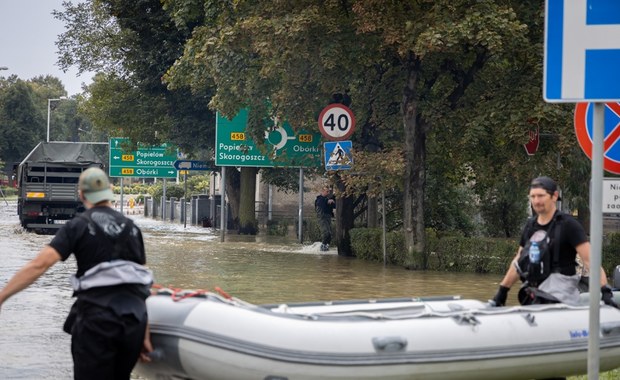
pixel 596 240
pixel 185 199
pixel 223 205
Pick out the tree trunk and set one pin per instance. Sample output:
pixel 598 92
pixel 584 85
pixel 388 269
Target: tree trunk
pixel 344 221
pixel 233 181
pixel 415 176
pixel 248 224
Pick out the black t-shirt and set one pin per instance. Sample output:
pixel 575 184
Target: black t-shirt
pixel 571 235
pixel 89 248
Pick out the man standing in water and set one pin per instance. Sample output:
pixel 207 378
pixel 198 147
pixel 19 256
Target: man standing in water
pixel 108 322
pixel 324 206
pixel 545 260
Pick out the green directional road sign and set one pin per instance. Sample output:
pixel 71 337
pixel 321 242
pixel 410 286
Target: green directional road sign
pixel 146 162
pixel 284 147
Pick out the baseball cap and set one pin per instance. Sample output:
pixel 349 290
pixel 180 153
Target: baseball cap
pixel 95 186
pixel 545 183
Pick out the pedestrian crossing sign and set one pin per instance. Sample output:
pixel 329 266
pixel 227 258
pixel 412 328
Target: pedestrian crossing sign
pixel 338 155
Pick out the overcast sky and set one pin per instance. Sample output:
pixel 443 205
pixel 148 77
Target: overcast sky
pixel 28 33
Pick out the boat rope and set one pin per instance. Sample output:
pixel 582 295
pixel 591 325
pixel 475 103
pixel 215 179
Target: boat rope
pixel 178 294
pixel 466 316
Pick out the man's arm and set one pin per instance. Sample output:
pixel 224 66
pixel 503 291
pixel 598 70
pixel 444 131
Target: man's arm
pixel 583 250
pixel 511 275
pixel 30 272
pixel 147 347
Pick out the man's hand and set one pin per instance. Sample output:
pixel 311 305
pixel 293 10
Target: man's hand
pixel 500 297
pixel 147 347
pixel 607 295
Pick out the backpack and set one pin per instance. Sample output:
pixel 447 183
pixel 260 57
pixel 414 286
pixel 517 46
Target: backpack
pixel 535 273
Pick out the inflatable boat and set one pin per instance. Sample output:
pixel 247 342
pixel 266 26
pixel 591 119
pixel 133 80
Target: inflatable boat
pixel 204 335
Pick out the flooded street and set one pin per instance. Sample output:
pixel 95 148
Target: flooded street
pixel 255 269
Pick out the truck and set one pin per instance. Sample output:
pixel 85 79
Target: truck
pixel 48 184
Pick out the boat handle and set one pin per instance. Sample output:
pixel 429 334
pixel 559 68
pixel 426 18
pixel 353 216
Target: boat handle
pixel 608 329
pixel 389 344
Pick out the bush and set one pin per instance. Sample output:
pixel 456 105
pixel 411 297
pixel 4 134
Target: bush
pixel 10 191
pixel 157 191
pixel 470 254
pixel 458 253
pixel 367 244
pixel 450 253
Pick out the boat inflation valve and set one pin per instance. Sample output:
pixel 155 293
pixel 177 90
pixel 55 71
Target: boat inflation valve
pixel 389 344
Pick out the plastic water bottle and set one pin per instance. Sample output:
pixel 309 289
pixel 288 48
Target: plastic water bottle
pixel 534 253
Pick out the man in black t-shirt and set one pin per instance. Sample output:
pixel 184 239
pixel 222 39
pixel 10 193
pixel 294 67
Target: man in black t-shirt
pixel 560 238
pixel 108 322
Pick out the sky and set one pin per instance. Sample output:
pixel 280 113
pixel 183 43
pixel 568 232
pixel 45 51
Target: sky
pixel 28 32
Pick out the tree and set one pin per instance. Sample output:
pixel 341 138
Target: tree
pixel 426 55
pixel 132 44
pixel 22 123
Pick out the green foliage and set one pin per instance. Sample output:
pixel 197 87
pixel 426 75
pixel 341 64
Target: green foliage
pixel 157 191
pixel 9 191
pixel 450 205
pixel 456 253
pixel 504 209
pixel 448 253
pixel 132 45
pixel 475 254
pixel 198 184
pixel 22 121
pixel 609 375
pixel 367 244
pixel 445 93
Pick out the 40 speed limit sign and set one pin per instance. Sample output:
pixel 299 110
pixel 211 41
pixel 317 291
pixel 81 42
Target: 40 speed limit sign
pixel 336 122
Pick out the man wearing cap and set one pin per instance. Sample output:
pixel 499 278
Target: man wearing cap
pixel 559 239
pixel 108 321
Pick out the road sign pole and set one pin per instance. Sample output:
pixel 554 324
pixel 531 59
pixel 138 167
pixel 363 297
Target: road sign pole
pixel 185 200
pixel 596 239
pixel 223 205
pixel 301 206
pixel 122 187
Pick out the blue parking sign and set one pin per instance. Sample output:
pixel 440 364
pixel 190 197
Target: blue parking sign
pixel 582 51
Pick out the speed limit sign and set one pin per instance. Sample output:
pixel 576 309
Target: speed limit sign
pixel 336 122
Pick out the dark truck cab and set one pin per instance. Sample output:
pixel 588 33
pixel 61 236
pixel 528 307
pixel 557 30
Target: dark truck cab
pixel 48 184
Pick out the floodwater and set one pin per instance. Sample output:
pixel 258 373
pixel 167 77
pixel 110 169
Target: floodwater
pixel 256 269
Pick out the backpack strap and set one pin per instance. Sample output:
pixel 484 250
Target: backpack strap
pixel 556 239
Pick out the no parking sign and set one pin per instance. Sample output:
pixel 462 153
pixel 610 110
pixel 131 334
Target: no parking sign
pixel 584 131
